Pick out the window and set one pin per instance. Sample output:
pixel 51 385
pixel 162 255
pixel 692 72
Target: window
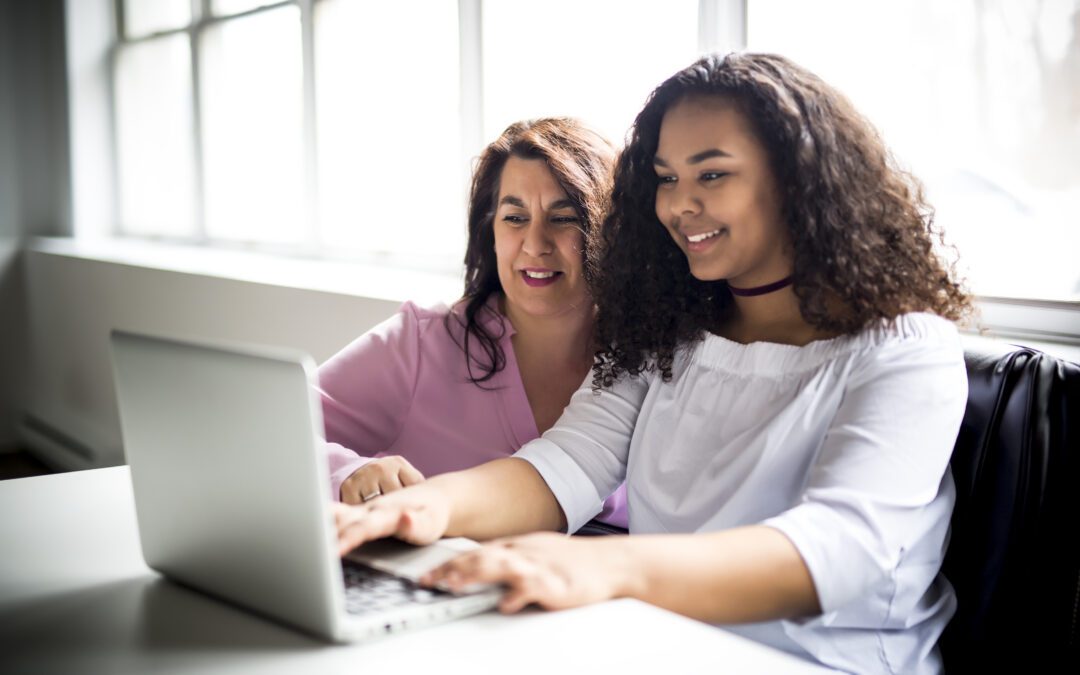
pixel 981 100
pixel 349 127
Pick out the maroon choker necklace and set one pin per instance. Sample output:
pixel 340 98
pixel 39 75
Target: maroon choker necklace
pixel 760 290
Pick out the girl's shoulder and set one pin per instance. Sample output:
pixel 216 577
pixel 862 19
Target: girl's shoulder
pixel 909 333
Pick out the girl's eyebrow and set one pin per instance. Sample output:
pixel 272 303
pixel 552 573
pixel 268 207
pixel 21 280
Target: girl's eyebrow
pixel 696 159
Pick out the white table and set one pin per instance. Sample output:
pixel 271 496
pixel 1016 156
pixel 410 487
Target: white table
pixel 76 597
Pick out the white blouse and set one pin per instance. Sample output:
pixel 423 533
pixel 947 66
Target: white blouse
pixel 843 445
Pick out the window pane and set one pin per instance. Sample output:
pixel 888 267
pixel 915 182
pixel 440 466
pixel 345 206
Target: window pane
pixel 252 128
pixel 224 7
pixel 154 137
pixel 981 99
pixel 143 17
pixel 594 60
pixel 391 170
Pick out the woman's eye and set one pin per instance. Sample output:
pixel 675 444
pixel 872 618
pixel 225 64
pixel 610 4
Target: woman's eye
pixel 565 220
pixel 514 219
pixel 712 175
pixel 665 180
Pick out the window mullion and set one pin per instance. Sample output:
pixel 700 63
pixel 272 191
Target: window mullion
pixel 116 227
pixel 200 9
pixel 470 50
pixel 310 129
pixel 721 25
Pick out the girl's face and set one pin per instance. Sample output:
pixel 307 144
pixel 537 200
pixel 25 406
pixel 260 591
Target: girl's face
pixel 539 241
pixel 717 196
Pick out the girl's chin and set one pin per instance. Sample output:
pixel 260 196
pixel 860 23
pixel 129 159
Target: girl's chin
pixel 707 274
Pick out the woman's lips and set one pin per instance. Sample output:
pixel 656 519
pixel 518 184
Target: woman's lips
pixel 539 277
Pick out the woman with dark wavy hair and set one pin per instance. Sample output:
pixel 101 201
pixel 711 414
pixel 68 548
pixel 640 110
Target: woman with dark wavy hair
pixel 780 384
pixel 441 389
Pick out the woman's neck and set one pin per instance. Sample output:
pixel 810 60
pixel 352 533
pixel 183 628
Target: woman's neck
pixel 563 340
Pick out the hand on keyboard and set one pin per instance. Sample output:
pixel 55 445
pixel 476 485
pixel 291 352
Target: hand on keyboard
pixel 416 515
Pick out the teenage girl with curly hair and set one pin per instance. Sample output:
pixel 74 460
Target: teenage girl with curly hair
pixel 780 385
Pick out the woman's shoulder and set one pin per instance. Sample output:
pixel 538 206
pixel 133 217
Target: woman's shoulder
pixel 424 313
pixel 446 323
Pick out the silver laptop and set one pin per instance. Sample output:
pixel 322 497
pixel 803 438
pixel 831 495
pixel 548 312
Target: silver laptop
pixel 232 493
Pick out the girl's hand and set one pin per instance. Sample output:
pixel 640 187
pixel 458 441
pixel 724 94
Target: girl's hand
pixel 379 477
pixel 551 570
pixel 417 515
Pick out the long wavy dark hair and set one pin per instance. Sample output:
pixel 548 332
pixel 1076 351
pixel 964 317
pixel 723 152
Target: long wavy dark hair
pixel 860 227
pixel 581 160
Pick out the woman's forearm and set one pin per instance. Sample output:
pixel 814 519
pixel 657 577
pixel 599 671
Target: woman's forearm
pixel 743 575
pixel 498 499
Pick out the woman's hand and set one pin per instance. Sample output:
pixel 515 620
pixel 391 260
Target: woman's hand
pixel 418 515
pixel 552 570
pixel 379 477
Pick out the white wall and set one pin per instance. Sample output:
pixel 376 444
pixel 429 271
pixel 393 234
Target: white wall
pixel 75 302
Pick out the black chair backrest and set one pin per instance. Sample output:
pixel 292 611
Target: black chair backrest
pixel 1014 555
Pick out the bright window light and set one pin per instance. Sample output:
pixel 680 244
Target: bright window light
pixel 253 128
pixel 154 138
pixel 980 98
pixel 144 17
pixel 226 7
pixel 392 174
pixel 595 60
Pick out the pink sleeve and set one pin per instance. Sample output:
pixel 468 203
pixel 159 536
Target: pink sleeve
pixel 367 389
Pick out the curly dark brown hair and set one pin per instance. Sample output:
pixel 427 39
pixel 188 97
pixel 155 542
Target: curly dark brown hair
pixel 862 232
pixel 580 159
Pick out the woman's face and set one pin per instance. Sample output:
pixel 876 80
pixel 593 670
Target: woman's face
pixel 717 196
pixel 539 241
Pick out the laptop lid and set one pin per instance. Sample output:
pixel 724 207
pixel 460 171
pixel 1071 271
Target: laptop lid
pixel 229 482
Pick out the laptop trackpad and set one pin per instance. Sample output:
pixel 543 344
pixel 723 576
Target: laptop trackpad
pixel 406 560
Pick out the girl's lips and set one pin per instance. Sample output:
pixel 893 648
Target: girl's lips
pixel 539 278
pixel 706 243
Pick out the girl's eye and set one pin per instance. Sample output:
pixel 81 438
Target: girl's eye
pixel 665 180
pixel 712 175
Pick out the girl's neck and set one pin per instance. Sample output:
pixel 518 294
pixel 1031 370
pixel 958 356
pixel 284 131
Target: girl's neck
pixel 772 317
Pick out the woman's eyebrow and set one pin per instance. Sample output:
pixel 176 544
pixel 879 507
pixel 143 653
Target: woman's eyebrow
pixel 512 201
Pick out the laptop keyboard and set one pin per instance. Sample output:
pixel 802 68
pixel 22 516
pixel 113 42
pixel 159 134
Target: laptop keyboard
pixel 369 590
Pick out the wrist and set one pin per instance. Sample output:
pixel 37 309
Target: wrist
pixel 626 572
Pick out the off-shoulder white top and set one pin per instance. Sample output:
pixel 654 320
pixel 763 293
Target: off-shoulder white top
pixel 842 445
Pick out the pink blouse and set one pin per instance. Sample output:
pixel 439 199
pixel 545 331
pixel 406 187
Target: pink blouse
pixel 402 388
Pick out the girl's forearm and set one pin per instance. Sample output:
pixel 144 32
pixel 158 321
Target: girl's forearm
pixel 498 499
pixel 743 575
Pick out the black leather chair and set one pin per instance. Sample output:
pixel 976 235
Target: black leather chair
pixel 1014 556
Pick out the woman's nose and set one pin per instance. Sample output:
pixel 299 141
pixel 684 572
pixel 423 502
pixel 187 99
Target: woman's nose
pixel 537 239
